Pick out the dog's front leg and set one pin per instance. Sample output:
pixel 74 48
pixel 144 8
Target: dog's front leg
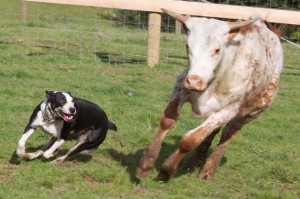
pixel 40 152
pixel 21 144
pixel 49 153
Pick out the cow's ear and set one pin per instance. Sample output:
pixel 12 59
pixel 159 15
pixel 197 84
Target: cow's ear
pixel 231 35
pixel 236 26
pixel 49 94
pixel 178 17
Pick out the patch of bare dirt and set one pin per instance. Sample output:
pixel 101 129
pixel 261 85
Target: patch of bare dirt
pixel 89 180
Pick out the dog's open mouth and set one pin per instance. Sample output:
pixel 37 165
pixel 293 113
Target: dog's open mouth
pixel 65 116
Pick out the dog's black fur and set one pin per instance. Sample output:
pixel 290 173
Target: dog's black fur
pixel 66 117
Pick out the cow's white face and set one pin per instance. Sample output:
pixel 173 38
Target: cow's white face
pixel 206 43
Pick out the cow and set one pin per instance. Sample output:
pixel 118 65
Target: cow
pixel 233 75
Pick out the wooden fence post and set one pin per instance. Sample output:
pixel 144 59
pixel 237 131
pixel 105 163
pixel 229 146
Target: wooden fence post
pixel 153 39
pixel 22 11
pixel 178 27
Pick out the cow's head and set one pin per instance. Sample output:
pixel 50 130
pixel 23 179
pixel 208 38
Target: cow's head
pixel 206 44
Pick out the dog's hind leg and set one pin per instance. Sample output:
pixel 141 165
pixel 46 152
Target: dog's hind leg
pixel 75 149
pixel 82 144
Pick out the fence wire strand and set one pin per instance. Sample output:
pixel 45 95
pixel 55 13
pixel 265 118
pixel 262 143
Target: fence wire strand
pixel 101 35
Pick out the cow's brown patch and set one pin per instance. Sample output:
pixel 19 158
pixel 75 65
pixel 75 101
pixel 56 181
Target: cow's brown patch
pixel 277 29
pixel 192 140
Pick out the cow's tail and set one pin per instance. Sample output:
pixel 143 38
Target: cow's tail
pixel 112 126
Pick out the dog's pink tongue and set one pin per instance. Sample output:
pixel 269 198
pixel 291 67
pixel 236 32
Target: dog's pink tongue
pixel 68 117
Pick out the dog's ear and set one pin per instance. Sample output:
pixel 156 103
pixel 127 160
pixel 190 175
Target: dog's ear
pixel 49 94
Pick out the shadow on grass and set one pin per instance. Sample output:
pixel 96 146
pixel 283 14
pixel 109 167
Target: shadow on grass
pixel 131 160
pixel 115 58
pixel 14 159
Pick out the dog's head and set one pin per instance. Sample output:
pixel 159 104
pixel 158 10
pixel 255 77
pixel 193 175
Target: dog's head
pixel 61 104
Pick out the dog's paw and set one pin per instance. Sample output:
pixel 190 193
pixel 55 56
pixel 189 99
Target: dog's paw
pixel 26 156
pixel 48 155
pixel 30 156
pixel 20 152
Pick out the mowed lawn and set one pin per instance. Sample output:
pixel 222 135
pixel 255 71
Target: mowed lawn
pixel 262 162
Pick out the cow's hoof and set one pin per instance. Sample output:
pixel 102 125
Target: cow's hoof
pixel 142 173
pixel 206 174
pixel 144 168
pixel 163 176
pixel 191 164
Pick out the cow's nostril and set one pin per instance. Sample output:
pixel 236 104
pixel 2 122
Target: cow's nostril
pixel 195 82
pixel 186 82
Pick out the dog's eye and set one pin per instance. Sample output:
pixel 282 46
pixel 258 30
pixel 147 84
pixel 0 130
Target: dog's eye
pixel 62 101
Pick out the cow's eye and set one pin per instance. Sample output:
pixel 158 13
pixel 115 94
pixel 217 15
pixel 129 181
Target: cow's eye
pixel 216 52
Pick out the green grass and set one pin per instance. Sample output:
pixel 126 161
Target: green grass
pixel 262 162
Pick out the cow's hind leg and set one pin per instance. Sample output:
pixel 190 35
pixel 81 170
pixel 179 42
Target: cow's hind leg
pixel 231 130
pixel 151 152
pixel 199 156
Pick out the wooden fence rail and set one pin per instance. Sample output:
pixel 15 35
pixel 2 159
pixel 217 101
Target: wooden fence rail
pixel 192 8
pixel 183 7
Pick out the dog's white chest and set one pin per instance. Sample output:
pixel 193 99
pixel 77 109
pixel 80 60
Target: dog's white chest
pixel 53 128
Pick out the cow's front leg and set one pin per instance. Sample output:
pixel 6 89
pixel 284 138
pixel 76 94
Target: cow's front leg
pixel 151 152
pixel 200 154
pixel 192 139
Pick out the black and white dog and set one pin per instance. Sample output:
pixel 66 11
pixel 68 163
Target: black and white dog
pixel 66 117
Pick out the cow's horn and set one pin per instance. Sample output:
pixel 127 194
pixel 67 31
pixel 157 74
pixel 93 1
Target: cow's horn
pixel 239 24
pixel 179 17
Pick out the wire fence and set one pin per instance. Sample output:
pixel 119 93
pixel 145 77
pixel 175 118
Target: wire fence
pixel 111 36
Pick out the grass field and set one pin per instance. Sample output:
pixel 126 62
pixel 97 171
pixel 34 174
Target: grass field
pixel 262 162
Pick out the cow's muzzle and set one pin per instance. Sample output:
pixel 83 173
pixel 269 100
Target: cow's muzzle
pixel 195 82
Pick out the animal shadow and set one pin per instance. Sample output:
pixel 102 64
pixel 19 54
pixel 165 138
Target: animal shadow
pixel 14 159
pixel 116 58
pixel 131 160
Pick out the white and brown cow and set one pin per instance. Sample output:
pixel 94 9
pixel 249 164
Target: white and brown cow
pixel 233 75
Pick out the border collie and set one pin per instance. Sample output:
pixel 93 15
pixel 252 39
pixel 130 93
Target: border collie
pixel 65 117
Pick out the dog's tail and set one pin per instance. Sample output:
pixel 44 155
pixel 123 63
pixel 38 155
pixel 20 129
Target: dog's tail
pixel 112 126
